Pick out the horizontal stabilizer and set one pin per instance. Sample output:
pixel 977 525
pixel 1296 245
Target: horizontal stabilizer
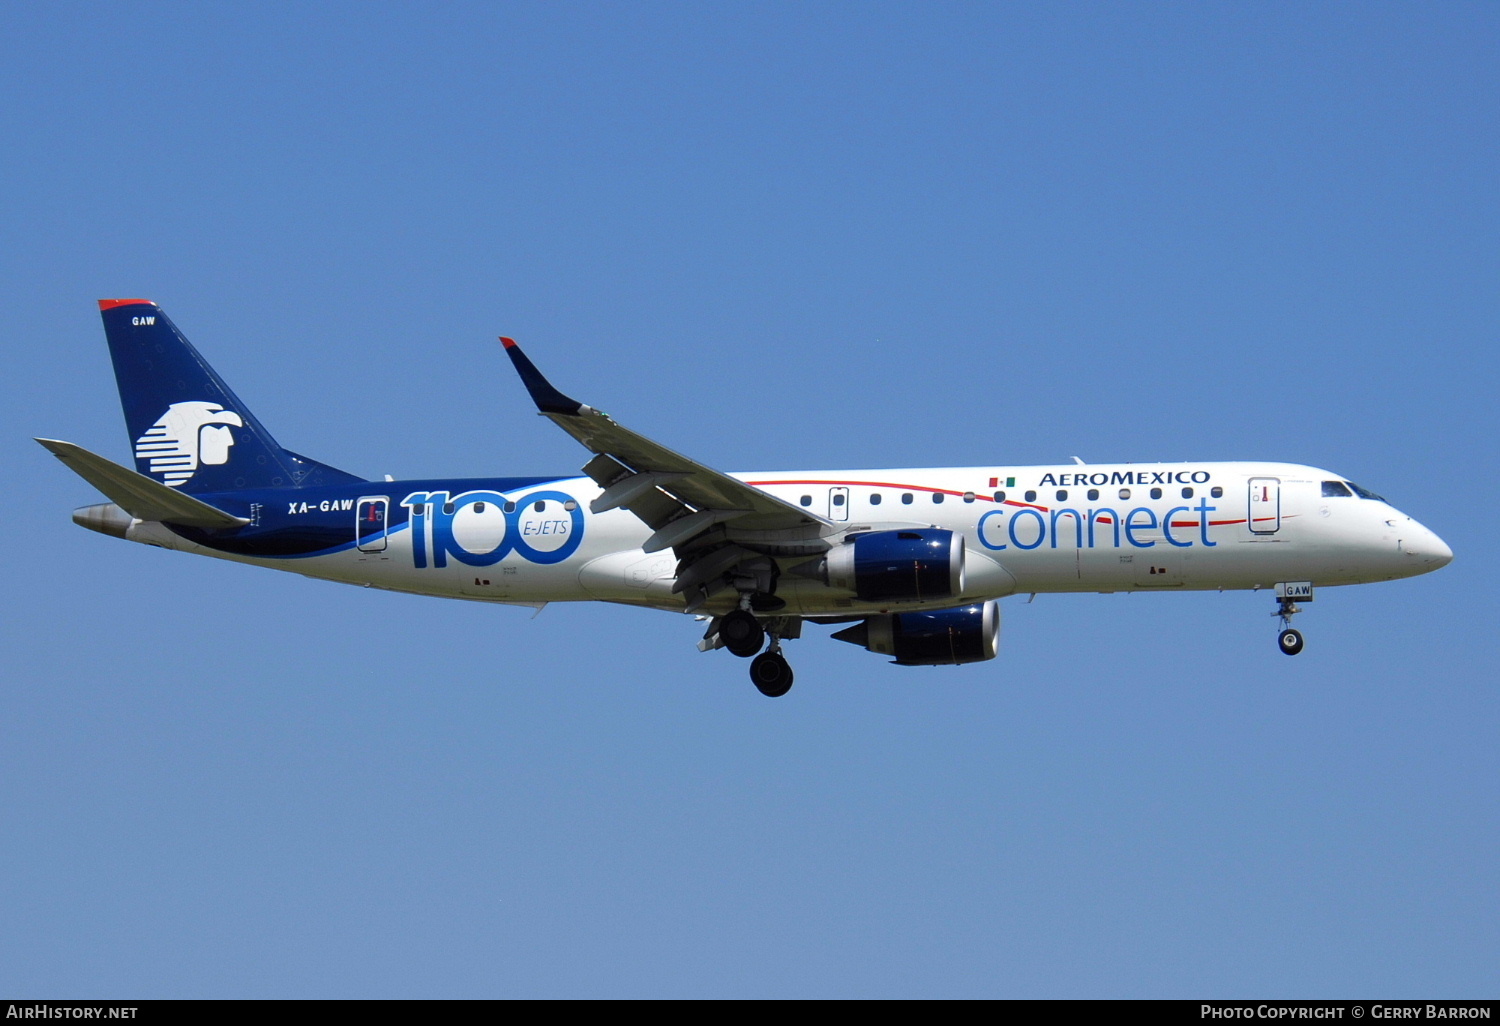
pixel 138 495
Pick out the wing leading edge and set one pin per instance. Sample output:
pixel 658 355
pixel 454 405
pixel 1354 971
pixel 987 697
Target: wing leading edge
pixel 681 500
pixel 639 467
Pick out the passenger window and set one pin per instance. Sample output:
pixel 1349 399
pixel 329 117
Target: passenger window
pixel 1156 493
pixel 906 498
pixel 540 505
pixel 1031 496
pixel 968 496
pixel 1187 493
pixel 937 498
pixel 838 498
pixel 1335 489
pixel 874 498
pixel 1124 493
pixel 478 507
pixel 448 509
pixel 806 500
pixel 999 496
pixel 510 507
pixel 570 505
pixel 1062 495
pixel 1217 492
pixel 1093 494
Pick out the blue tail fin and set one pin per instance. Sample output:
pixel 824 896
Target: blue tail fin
pixel 187 428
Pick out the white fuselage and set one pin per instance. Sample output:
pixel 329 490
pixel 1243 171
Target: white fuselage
pixel 1099 528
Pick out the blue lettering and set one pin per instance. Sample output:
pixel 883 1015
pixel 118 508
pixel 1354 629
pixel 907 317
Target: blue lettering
pixel 979 531
pixel 1131 526
pixel 572 527
pixel 1166 527
pixel 445 544
pixel 417 502
pixel 1114 521
pixel 1203 509
pixel 439 510
pixel 1041 528
pixel 1077 525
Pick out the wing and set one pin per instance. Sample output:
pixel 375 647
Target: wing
pixel 716 525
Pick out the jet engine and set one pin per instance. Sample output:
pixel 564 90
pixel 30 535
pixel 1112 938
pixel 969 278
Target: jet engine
pixel 935 637
pixel 895 566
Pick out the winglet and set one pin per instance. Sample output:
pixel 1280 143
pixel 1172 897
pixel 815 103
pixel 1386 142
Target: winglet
pixel 547 398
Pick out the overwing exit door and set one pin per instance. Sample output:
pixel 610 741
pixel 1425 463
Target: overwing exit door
pixel 838 503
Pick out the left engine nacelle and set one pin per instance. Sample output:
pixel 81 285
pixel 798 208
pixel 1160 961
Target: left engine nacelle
pixel 897 566
pixel 934 637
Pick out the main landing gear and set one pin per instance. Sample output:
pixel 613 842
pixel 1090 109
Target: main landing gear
pixel 771 673
pixel 742 632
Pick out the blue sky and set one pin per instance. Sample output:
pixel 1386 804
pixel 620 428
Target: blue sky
pixel 772 236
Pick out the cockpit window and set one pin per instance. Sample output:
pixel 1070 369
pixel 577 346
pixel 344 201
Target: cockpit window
pixel 1364 493
pixel 1336 489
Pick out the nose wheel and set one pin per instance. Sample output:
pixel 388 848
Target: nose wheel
pixel 1288 639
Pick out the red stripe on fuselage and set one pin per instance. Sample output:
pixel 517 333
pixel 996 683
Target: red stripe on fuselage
pixel 979 498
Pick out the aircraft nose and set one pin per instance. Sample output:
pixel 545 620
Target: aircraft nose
pixel 1427 547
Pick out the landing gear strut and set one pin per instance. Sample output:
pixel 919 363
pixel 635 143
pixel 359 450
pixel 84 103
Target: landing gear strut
pixel 770 673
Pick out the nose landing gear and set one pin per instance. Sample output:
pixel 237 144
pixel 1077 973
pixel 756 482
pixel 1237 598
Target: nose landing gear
pixel 1289 639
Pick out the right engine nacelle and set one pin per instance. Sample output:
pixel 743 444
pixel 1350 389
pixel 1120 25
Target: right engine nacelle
pixel 896 566
pixel 936 637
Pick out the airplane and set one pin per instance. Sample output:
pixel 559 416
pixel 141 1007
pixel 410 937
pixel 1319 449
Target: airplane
pixel 908 563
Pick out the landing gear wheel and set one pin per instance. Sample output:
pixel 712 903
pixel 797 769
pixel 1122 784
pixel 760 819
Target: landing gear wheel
pixel 1290 641
pixel 771 674
pixel 742 633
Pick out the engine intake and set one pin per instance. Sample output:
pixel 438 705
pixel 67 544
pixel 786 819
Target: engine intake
pixel 898 565
pixel 936 637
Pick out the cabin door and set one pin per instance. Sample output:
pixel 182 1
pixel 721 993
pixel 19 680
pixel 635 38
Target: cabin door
pixel 1265 505
pixel 370 519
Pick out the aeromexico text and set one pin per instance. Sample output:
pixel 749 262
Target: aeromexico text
pixel 1127 477
pixel 1028 527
